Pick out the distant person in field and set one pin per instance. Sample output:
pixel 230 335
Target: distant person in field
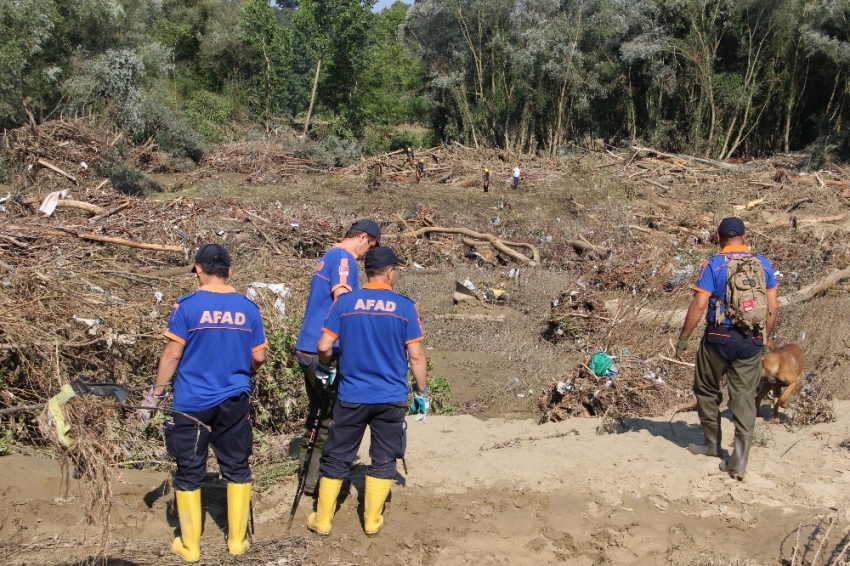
pixel 215 343
pixel 486 180
pixel 739 289
pixel 517 174
pixel 420 170
pixel 411 158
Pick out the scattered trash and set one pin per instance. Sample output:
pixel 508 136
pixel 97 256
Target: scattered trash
pixel 493 295
pixel 417 266
pixel 48 205
pixel 468 284
pixel 158 297
pixel 279 289
pixel 600 363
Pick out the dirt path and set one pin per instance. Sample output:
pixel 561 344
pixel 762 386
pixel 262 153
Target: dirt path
pixel 494 492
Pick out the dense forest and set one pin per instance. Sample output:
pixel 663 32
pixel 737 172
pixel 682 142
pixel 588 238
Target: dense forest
pixel 718 78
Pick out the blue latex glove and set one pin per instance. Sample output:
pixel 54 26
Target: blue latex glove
pixel 421 403
pixel 325 374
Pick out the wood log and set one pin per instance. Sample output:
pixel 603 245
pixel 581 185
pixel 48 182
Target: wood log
pixel 799 222
pixel 494 241
pixel 581 247
pixel 52 167
pixel 78 204
pixel 819 286
pixel 750 204
pixel 482 317
pixel 66 233
pixel 109 213
pixel 657 184
pixel 166 273
pixel 713 162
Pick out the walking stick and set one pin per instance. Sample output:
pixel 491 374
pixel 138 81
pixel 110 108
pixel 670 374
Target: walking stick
pixel 314 432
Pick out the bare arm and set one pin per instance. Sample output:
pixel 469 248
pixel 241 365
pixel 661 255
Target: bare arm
pixel 326 346
pixel 258 358
pixel 168 363
pixel 772 312
pixel 418 364
pixel 695 312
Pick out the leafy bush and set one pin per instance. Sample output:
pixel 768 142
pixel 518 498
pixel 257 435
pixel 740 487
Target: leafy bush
pixel 210 114
pixel 128 180
pixel 337 152
pixel 170 129
pixel 278 391
pixel 402 140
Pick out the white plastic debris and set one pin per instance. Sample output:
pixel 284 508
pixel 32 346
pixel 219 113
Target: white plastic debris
pixel 84 166
pixel 468 284
pixel 87 321
pixel 48 205
pixel 158 297
pixel 279 289
pixel 417 266
pixel 90 322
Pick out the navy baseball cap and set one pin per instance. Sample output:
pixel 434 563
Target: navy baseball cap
pixel 731 227
pixel 213 253
pixel 382 256
pixel 368 226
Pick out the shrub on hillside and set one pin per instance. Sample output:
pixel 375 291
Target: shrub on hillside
pixel 170 129
pixel 336 152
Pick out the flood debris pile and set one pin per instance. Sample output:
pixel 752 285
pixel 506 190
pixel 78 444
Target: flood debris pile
pixel 623 386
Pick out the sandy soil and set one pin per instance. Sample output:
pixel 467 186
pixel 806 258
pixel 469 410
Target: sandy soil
pixel 493 491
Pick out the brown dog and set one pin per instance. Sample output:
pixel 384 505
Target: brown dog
pixel 781 367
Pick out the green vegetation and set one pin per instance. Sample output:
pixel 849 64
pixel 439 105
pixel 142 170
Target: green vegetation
pixel 717 78
pixel 278 388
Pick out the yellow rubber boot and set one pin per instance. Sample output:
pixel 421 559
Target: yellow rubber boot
pixel 320 521
pixel 188 545
pixel 238 509
pixel 376 493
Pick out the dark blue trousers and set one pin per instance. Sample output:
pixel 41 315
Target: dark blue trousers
pixel 232 440
pixel 346 430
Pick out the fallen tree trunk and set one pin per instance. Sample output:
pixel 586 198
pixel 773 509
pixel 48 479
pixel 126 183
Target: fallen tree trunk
pixel 78 204
pixel 66 233
pixel 677 317
pixel 493 240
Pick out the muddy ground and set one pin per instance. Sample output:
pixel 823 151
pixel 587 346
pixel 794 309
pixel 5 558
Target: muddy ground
pixel 494 492
pixel 492 486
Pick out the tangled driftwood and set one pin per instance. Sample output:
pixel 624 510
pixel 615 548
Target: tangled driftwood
pixel 489 238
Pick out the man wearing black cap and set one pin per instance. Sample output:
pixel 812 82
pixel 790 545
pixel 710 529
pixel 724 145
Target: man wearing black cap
pixel 335 275
pixel 378 331
pixel 215 342
pixel 729 347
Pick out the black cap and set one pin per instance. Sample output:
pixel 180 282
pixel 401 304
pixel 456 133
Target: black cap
pixel 368 226
pixel 731 227
pixel 382 256
pixel 213 253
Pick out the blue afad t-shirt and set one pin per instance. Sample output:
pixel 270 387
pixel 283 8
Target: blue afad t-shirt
pixel 712 279
pixel 336 269
pixel 374 327
pixel 220 330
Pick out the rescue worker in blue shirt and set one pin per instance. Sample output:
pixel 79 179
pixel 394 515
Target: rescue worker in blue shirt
pixel 727 350
pixel 378 332
pixel 215 343
pixel 335 275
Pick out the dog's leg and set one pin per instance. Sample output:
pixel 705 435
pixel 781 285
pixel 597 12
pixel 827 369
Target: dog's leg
pixel 765 387
pixel 783 401
pixel 777 390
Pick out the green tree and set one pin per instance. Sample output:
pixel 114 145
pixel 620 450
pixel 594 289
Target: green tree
pixel 336 31
pixel 261 31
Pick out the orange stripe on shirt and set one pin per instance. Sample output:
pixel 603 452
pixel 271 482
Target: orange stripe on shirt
pixel 415 340
pixel 703 291
pixel 172 336
pixel 333 335
pixel 258 348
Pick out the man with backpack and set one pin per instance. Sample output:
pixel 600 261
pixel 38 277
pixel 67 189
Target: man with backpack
pixel 739 289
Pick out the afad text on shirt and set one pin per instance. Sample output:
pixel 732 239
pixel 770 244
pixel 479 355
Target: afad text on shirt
pixel 223 317
pixel 373 305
